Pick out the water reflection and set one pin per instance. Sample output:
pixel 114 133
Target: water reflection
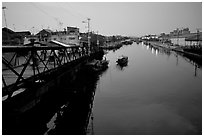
pixel 196 66
pixel 121 67
pixel 147 47
pixel 156 52
pixel 152 50
pixel 177 59
pixel 162 51
pixel 168 52
pixel 90 128
pixel 73 118
pixel 192 60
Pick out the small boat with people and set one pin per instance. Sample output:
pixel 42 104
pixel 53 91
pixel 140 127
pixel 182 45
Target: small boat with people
pixel 122 60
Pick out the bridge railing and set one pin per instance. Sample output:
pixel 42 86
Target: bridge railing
pixel 23 65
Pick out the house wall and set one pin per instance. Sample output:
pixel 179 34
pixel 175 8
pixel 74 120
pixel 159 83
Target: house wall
pixel 193 43
pixel 27 40
pixel 72 30
pixel 55 37
pixel 179 41
pixel 44 36
pixel 71 39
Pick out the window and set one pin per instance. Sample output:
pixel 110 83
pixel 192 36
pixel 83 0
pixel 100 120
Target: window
pixel 71 38
pixel 71 31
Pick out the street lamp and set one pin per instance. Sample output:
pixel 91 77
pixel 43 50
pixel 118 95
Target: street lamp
pixel 88 22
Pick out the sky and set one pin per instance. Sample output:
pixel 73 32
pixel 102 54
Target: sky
pixel 108 18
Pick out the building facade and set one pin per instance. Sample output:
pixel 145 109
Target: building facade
pixel 195 40
pixel 69 36
pixel 10 37
pixel 44 35
pixel 178 41
pixel 178 32
pixel 190 39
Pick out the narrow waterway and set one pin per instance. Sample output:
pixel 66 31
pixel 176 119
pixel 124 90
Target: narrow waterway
pixel 159 92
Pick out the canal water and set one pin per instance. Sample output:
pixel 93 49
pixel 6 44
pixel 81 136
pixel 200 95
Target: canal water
pixel 158 92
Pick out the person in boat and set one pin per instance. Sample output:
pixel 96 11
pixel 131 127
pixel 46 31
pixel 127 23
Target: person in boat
pixel 104 57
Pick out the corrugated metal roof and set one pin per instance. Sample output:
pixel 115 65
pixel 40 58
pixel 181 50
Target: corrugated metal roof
pixel 45 30
pixel 62 44
pixel 48 30
pixel 7 30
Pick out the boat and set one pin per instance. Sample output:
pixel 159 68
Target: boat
pixel 122 60
pixel 97 65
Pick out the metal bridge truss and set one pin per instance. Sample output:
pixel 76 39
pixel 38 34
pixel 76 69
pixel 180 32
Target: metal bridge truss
pixel 26 64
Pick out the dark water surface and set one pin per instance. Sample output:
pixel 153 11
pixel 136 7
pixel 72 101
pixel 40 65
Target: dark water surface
pixel 159 92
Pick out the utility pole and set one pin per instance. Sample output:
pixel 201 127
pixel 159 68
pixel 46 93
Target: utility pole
pixel 178 37
pixel 97 41
pixel 89 44
pixel 33 30
pixel 198 37
pixel 4 15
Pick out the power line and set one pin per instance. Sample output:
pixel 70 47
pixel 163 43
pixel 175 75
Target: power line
pixel 71 13
pixel 78 13
pixel 40 9
pixel 75 14
pixel 43 11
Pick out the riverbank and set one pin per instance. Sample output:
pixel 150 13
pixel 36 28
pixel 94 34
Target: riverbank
pixel 176 49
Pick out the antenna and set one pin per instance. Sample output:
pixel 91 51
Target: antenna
pixel 14 27
pixel 60 25
pixel 89 45
pixel 33 29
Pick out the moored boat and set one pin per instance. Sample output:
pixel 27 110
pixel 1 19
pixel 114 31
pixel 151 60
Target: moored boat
pixel 97 65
